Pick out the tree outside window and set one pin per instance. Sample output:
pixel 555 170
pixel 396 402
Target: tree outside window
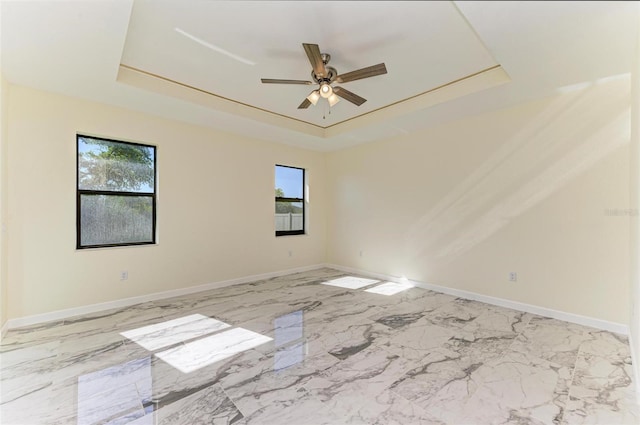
pixel 116 193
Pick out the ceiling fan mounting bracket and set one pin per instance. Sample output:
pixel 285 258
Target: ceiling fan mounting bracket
pixel 332 73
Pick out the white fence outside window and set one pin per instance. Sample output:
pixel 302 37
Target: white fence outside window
pixel 288 221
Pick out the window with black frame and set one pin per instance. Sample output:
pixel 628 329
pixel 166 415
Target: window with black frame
pixel 289 216
pixel 116 193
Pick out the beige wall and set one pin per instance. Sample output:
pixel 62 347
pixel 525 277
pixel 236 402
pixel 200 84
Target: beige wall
pixel 215 207
pixel 539 188
pixel 528 189
pixel 4 88
pixel 634 194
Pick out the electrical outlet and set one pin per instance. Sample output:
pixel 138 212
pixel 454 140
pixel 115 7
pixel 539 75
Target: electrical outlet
pixel 361 252
pixel 124 275
pixel 513 277
pixel 290 253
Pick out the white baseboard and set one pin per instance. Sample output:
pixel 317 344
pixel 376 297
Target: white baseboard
pixel 4 329
pixel 126 302
pixel 635 364
pixel 94 308
pixel 515 305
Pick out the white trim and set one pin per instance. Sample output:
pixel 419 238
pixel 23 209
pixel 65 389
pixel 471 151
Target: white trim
pixel 636 368
pixel 126 302
pixel 534 309
pixel 3 330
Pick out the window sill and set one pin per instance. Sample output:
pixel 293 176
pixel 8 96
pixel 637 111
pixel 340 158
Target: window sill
pixel 103 248
pixel 290 234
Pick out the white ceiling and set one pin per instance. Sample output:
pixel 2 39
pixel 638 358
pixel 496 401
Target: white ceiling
pixel 142 55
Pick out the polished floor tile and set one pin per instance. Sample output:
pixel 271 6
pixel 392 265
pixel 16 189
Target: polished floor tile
pixel 320 347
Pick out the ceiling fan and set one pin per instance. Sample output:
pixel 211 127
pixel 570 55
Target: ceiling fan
pixel 325 75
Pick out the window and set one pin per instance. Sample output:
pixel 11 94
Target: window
pixel 116 193
pixel 289 201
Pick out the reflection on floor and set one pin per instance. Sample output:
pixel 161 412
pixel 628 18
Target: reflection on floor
pixel 318 347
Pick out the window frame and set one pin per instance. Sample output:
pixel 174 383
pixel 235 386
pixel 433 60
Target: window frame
pixel 80 192
pixel 301 200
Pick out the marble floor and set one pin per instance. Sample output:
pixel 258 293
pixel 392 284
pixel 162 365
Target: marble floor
pixel 320 347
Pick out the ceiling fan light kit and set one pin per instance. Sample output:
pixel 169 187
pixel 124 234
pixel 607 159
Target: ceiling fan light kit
pixel 324 75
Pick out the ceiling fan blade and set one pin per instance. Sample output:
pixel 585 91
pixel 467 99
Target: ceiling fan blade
pixel 305 104
pixel 315 57
pixel 276 81
pixel 370 71
pixel 347 95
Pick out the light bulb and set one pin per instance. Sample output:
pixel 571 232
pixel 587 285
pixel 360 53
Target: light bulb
pixel 326 90
pixel 313 97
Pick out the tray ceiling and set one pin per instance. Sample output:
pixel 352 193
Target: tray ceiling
pixel 201 61
pixel 224 48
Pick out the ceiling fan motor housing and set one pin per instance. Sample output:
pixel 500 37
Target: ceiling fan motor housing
pixel 332 73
